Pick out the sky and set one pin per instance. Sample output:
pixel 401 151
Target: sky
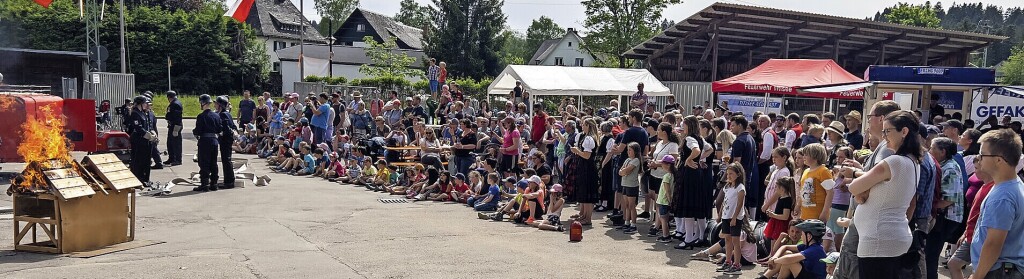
pixel 570 13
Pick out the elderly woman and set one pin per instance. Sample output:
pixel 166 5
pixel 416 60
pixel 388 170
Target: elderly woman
pixel 949 205
pixel 884 194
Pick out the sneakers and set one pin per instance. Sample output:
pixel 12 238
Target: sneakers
pixel 482 216
pixel 629 230
pixel 733 270
pixel 725 266
pixel 664 239
pixel 498 217
pixel 623 227
pixel 645 215
pixel 653 232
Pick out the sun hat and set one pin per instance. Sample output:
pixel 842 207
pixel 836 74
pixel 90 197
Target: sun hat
pixel 837 127
pixel 853 115
pixel 535 179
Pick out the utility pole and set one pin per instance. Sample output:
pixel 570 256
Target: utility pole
pixel 124 68
pixel 330 46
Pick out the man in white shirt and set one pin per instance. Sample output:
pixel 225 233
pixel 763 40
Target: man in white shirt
pixel 764 156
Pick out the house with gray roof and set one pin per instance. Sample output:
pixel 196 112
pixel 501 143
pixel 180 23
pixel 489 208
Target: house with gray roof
pixel 345 63
pixel 362 23
pixel 280 24
pixel 565 51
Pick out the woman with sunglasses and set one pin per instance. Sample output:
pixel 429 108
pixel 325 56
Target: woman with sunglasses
pixel 884 194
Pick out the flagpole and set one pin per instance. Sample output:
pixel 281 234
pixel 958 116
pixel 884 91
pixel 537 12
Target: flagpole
pixel 124 68
pixel 168 73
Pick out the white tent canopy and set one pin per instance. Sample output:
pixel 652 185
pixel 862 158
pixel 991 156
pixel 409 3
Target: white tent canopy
pixel 576 81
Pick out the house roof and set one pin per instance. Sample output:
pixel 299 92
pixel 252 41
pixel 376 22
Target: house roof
pixel 545 49
pixel 389 28
pixel 271 18
pixel 347 55
pixel 761 32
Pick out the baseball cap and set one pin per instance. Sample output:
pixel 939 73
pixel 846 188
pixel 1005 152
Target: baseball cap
pixel 522 184
pixel 510 180
pixel 535 179
pixel 831 258
pixel 557 188
pixel 460 176
pixel 668 159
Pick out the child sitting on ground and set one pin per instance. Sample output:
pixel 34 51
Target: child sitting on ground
pixel 337 168
pixel 555 202
pixel 308 161
pixel 417 187
pixel 410 176
pixel 435 191
pixel 800 261
pixel 456 190
pixel 716 253
pixel 515 201
pixel 790 237
pixel 382 178
pixel 368 175
pixel 323 161
pixel 490 201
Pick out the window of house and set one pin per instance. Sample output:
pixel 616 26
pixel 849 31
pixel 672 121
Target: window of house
pixel 361 28
pixel 558 61
pixel 579 62
pixel 276 67
pixel 280 45
pixel 570 44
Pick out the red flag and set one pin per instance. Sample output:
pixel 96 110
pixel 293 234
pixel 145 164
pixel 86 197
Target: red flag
pixel 239 11
pixel 44 3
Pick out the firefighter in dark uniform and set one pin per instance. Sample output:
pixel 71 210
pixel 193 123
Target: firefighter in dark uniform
pixel 157 163
pixel 140 137
pixel 225 139
pixel 207 129
pixel 173 116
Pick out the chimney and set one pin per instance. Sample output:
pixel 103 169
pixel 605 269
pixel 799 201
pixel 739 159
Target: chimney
pixel 572 30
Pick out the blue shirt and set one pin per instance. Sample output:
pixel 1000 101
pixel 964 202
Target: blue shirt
pixel 959 158
pixel 925 188
pixel 310 163
pixel 812 259
pixel 245 108
pixel 1003 209
pixel 320 121
pixel 495 193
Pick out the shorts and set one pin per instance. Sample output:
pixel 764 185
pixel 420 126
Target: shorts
pixel 731 230
pixel 664 210
pixel 631 192
pixel 653 184
pixel 433 86
pixel 804 274
pixel 833 216
pixel 505 164
pixel 554 219
pixel 963 252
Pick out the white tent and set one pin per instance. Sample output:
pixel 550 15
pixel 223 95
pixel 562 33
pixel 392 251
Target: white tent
pixel 576 81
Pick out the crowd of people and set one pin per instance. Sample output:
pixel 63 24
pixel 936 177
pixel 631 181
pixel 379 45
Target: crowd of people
pixel 804 196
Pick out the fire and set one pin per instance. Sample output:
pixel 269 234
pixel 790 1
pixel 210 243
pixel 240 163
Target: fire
pixel 6 101
pixel 43 142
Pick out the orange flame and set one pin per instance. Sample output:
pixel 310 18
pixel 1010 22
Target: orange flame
pixel 6 101
pixel 43 142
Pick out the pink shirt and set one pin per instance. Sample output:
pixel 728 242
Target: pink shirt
pixel 508 141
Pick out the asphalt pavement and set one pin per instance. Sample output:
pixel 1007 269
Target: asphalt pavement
pixel 299 227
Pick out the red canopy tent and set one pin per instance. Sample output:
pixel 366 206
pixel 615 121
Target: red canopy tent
pixel 788 76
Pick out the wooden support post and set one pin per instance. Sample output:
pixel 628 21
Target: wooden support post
pixel 682 57
pixel 924 57
pixel 835 50
pixel 881 55
pixel 785 48
pixel 714 57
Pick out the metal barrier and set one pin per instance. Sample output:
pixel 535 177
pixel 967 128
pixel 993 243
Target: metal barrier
pixel 69 88
pixel 305 88
pixel 688 94
pixel 113 87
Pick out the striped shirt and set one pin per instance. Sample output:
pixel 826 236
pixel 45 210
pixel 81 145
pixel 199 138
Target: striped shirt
pixel 433 72
pixel 639 95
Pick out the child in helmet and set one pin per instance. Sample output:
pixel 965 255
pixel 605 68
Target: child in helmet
pixel 800 261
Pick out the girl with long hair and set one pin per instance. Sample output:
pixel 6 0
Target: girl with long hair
pixel 733 216
pixel 667 145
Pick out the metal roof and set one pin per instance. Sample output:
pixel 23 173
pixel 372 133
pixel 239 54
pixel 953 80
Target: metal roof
pixel 43 51
pixel 762 32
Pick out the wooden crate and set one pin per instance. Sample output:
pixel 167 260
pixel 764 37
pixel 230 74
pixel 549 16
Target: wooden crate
pixel 50 224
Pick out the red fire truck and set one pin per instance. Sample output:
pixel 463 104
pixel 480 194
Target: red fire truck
pixel 80 124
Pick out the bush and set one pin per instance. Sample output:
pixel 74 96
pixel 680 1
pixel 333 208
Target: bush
pixel 326 80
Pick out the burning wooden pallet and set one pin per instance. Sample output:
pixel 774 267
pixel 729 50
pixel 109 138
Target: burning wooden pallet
pixel 78 208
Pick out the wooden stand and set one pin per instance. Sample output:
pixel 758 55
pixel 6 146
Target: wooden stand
pixel 75 225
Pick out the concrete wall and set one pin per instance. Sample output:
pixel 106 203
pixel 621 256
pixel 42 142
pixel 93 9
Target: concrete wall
pixel 569 53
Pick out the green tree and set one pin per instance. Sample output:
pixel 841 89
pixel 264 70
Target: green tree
pixel 387 60
pixel 465 34
pixel 514 50
pixel 211 53
pixel 618 25
pixel 913 15
pixel 1013 68
pixel 412 14
pixel 542 29
pixel 334 10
